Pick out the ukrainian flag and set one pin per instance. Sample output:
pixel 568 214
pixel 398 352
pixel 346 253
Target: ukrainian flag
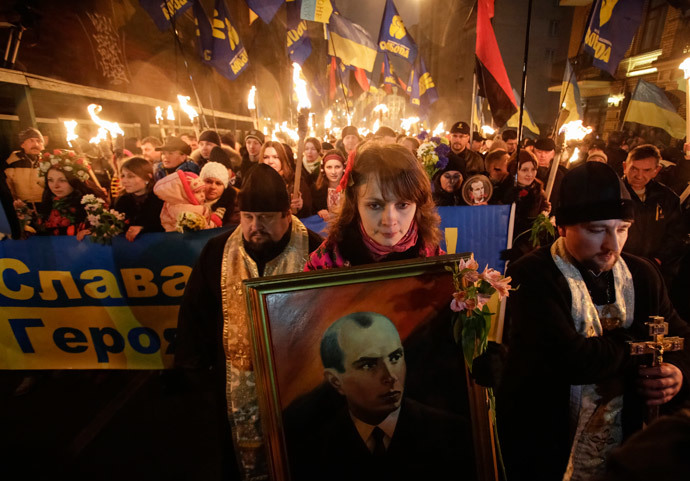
pixel 570 95
pixel 650 106
pixel 351 43
pixel 527 121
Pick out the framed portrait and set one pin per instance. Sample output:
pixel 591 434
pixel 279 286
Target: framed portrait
pixel 477 190
pixel 359 376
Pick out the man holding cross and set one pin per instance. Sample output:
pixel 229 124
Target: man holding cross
pixel 572 391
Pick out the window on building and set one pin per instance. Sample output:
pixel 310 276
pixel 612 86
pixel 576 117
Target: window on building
pixel 549 55
pixel 653 26
pixel 553 28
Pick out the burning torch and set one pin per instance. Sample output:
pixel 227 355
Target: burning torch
pixel 251 105
pixel 573 132
pixel 191 112
pixel 303 106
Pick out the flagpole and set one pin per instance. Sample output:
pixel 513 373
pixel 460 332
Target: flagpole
pixel 340 79
pixel 474 99
pixel 524 70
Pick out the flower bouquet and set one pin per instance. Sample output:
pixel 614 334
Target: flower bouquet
pixel 434 155
pixel 26 217
pixel 104 224
pixel 472 321
pixel 189 222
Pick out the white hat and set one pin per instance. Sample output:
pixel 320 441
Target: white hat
pixel 215 170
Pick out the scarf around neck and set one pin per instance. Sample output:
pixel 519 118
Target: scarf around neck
pixel 378 251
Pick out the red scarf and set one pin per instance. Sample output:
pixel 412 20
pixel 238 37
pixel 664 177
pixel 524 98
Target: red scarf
pixel 378 251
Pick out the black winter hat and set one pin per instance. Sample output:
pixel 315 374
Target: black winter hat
pixel 174 144
pixel 210 136
pixel 255 134
pixel 592 191
pixel 545 144
pixel 263 190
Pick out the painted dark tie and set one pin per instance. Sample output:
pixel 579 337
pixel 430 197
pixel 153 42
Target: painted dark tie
pixel 379 447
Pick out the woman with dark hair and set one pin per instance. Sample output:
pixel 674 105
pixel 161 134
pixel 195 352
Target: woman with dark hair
pixel 386 212
pixel 447 184
pixel 273 154
pixel 61 211
pixel 527 192
pixel 326 196
pixel 312 158
pixel 142 209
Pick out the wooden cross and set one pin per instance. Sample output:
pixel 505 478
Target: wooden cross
pixel 659 344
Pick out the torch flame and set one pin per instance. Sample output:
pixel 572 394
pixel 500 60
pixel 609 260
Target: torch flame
pixel 171 113
pixel 438 130
pixel 488 130
pixel 377 124
pixel 70 126
pixel 685 67
pixel 250 98
pixel 575 130
pixel 159 114
pixel 111 127
pixel 381 108
pixel 188 109
pixel 102 135
pixel 575 156
pixel 300 86
pixel 327 121
pixel 407 123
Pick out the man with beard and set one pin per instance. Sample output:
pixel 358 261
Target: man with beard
pixel 571 390
pixel 471 162
pixel 213 344
pixel 22 167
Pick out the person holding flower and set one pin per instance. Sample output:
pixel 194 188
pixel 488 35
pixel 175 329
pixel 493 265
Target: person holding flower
pixel 60 211
pixel 386 213
pixel 142 209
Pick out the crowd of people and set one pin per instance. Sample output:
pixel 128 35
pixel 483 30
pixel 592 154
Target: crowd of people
pixel 622 240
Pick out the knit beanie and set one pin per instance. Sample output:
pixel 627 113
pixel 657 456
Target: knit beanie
pixel 349 130
pixel 592 191
pixel 263 190
pixel 30 133
pixel 214 170
pixel 210 136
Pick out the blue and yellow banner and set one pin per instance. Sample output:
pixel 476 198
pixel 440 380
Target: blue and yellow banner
pixel 161 11
pixel 265 9
pixel 203 32
pixel 650 106
pixel 316 10
pixel 66 304
pixel 351 43
pixel 394 37
pixel 611 30
pixel 298 42
pixel 527 121
pixel 229 55
pixel 421 87
pixel 570 95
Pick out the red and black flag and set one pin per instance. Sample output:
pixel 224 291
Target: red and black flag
pixel 492 78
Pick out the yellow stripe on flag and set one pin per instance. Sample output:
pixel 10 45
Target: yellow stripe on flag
pixel 527 122
pixel 252 16
pixel 647 113
pixel 352 53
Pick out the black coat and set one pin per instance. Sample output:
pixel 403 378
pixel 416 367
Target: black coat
pixel 546 356
pixel 659 228
pixel 146 213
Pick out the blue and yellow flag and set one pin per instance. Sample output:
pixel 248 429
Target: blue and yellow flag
pixel 162 11
pixel 229 55
pixel 610 31
pixel 265 9
pixel 351 43
pixel 298 42
pixel 527 121
pixel 203 32
pixel 316 10
pixel 394 37
pixel 389 76
pixel 421 87
pixel 650 106
pixel 570 95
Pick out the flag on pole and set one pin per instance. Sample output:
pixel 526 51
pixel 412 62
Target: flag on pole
pixel 478 116
pixel 527 121
pixel 161 12
pixel 265 9
pixel 570 95
pixel 492 78
pixel 351 43
pixel 421 87
pixel 393 36
pixel 229 55
pixel 650 106
pixel 298 42
pixel 203 32
pixel 611 30
pixel 316 10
